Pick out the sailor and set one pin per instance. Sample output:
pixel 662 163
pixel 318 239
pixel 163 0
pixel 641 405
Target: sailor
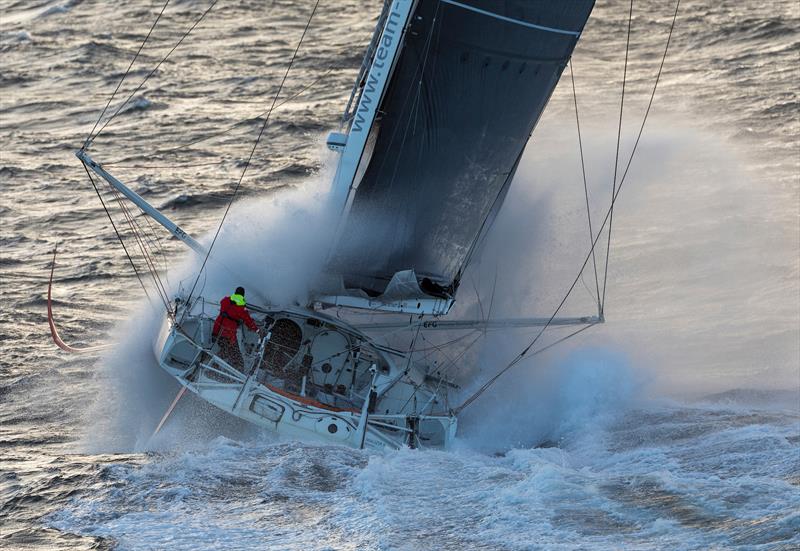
pixel 232 314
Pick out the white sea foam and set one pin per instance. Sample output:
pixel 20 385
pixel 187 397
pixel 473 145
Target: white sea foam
pixel 703 297
pixel 58 9
pixel 688 298
pixel 274 246
pixel 658 493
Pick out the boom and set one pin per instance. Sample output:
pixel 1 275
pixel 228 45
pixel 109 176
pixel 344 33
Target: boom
pixel 446 325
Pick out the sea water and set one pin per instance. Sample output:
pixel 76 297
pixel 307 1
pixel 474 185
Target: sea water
pixel 675 425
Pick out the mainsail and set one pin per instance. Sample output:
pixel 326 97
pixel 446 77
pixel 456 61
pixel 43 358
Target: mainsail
pixel 453 92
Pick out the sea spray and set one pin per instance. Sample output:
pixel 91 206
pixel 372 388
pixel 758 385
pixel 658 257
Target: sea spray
pixel 274 246
pixel 558 397
pixel 685 226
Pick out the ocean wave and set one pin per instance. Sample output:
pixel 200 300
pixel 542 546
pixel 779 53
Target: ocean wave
pixel 650 496
pixel 186 200
pixel 12 37
pixel 60 9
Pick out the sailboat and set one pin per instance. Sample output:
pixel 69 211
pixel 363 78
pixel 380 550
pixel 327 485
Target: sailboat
pixel 446 99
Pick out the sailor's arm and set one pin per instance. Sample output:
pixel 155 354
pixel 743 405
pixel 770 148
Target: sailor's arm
pixel 248 321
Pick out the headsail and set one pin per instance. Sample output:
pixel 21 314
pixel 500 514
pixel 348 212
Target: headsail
pixel 469 81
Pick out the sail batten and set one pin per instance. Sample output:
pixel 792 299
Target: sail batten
pixel 469 83
pixel 509 19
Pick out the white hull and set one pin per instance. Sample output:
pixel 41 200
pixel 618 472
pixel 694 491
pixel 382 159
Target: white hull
pixel 309 379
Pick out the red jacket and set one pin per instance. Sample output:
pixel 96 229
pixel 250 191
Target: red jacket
pixel 230 317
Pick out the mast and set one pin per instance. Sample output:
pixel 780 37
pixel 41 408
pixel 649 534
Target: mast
pixel 453 93
pixel 353 143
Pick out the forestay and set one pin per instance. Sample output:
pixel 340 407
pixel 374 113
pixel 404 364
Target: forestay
pixel 469 82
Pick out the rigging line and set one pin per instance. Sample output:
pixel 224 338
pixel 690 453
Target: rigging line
pixel 145 248
pixel 409 356
pixel 421 69
pixel 136 231
pixel 491 381
pixel 439 349
pixel 250 157
pixel 439 384
pixel 152 72
pixel 159 245
pixel 221 132
pixel 442 371
pixel 491 300
pixel 616 158
pixel 435 347
pixel 478 297
pixel 585 186
pixel 410 352
pixel 445 368
pixel 602 226
pixel 125 75
pixel 155 246
pixel 142 240
pixel 116 231
pixel 652 96
pixel 172 165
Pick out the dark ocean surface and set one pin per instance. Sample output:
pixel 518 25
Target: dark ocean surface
pixel 676 425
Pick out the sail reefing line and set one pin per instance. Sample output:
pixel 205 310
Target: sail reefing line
pixel 614 199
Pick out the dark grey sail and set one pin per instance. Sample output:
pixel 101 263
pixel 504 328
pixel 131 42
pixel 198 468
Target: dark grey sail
pixel 470 83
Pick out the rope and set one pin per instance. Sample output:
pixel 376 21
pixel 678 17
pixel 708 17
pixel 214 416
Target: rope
pixel 152 72
pixel 154 236
pixel 652 96
pixel 616 157
pixel 139 235
pixel 144 248
pixel 491 381
pixel 116 231
pixel 220 133
pixel 450 362
pixel 521 355
pixel 171 165
pixel 585 186
pixel 420 68
pixel 124 76
pixel 250 157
